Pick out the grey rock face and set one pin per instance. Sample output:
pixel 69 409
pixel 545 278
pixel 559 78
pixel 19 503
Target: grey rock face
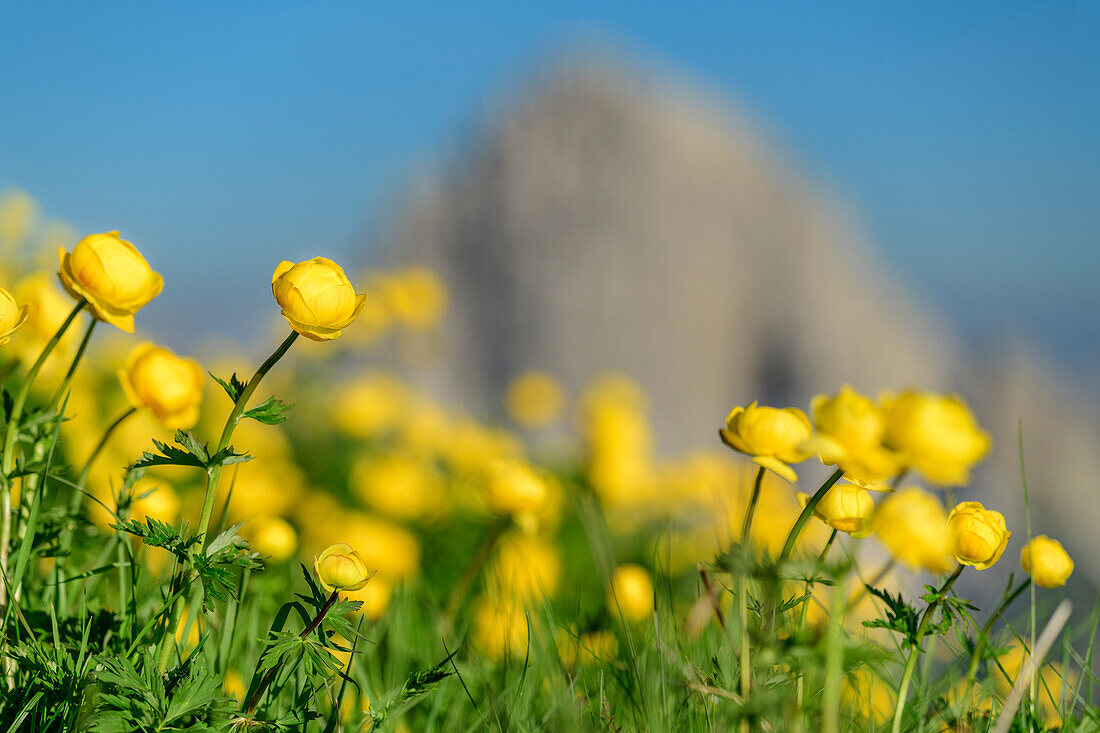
pixel 608 222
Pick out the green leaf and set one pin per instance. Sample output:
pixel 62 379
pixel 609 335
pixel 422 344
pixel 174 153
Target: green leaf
pixel 270 412
pixel 234 387
pixel 192 452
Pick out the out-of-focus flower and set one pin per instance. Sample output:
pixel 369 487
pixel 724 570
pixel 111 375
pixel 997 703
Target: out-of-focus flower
pixel 912 524
pixel 18 210
pixel 850 430
pixel 370 406
pixel 619 443
pixel 534 399
pixel 526 567
pixel 514 487
pixel 339 567
pixel 500 628
pixel 12 316
pixel 272 537
pixel 47 308
pixel 935 434
pixel 375 597
pixel 772 436
pixel 416 297
pixel 233 685
pixel 868 695
pixel 589 648
pixel 112 275
pixel 1046 561
pixel 386 547
pixel 978 535
pixel 631 592
pixel 400 486
pixel 265 486
pixel 316 296
pixel 1052 682
pixel 845 507
pixel 169 385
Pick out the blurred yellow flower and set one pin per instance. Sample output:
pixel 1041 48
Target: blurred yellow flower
pixel 375 597
pixel 978 535
pixel 316 296
pixel 1053 682
pixel 587 649
pixel 18 210
pixel 500 628
pixel 400 485
pixel 169 385
pixel 233 685
pixel 514 487
pixel 935 434
pixel 772 436
pixel 339 567
pixel 1046 561
pixel 271 536
pixel 112 275
pixel 416 297
pixel 372 405
pixel 387 547
pixel 912 524
pixel 534 399
pixel 868 695
pixel 631 593
pixel 845 507
pixel 12 316
pixel 525 567
pixel 47 308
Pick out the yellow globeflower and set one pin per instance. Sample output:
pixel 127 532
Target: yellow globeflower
pixel 12 316
pixel 912 524
pixel 18 210
pixel 401 486
pixel 169 385
pixel 1053 683
pixel 112 275
pixel 388 547
pixel 316 297
pixel 935 434
pixel 631 592
pixel 500 628
pixel 845 507
pixel 1047 562
pixel 772 436
pixel 869 695
pixel 154 498
pixel 340 567
pixel 375 597
pixel 534 399
pixel 850 430
pixel 272 537
pixel 47 308
pixel 416 297
pixel 526 568
pixel 514 487
pixel 978 535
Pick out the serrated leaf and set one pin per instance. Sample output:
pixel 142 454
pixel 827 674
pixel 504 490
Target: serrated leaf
pixel 234 387
pixel 269 412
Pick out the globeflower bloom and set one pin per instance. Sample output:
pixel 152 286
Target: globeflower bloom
pixel 316 297
pixel 850 429
pixel 845 507
pixel 772 436
pixel 1047 562
pixel 12 316
pixel 631 592
pixel 978 535
pixel 912 525
pixel 169 385
pixel 340 567
pixel 513 487
pixel 112 275
pixel 937 435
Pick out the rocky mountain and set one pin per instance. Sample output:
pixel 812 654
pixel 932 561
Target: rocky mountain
pixel 604 220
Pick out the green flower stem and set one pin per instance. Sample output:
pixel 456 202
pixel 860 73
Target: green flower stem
pixel 11 432
pixel 752 506
pixel 914 653
pixel 61 388
pixel 743 587
pixel 807 512
pixel 214 475
pixel 983 637
pixel 255 698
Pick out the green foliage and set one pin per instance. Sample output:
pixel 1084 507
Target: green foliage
pixel 269 412
pixel 192 453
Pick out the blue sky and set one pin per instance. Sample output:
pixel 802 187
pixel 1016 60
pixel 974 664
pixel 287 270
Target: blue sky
pixel 222 137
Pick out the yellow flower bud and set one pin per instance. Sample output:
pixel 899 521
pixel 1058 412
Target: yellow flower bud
pixel 112 275
pixel 631 592
pixel 514 487
pixel 272 537
pixel 845 507
pixel 340 567
pixel 316 297
pixel 1047 562
pixel 912 524
pixel 12 316
pixel 169 385
pixel 978 535
pixel 936 435
pixel 772 436
pixel 534 399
